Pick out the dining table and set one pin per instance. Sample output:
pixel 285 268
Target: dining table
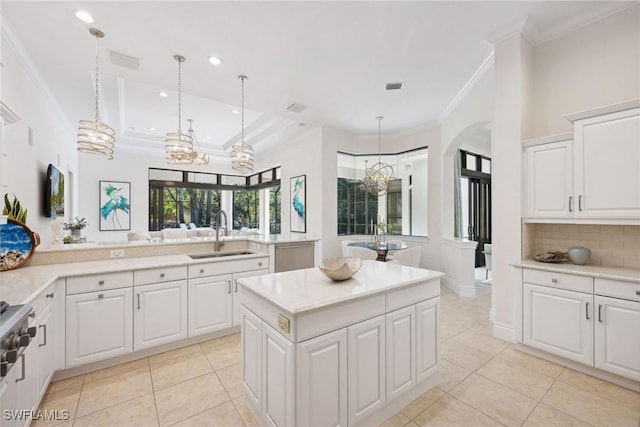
pixel 381 248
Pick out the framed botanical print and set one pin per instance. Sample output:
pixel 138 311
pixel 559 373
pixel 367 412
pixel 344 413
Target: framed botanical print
pixel 299 204
pixel 115 207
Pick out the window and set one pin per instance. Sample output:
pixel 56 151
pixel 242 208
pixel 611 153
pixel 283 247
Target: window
pixel 403 208
pixel 183 197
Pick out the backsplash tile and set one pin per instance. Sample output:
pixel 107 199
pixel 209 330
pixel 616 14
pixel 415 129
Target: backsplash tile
pixel 611 245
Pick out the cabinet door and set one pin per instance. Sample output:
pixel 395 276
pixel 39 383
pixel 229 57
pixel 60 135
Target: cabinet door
pixel 278 400
pixel 549 173
pixel 44 344
pixel 321 389
pixel 366 367
pixel 210 302
pixel 160 315
pixel 99 325
pixel 426 338
pixel 617 342
pixel 401 341
pixel 558 321
pixel 19 396
pixel 236 312
pixel 608 165
pixel 251 337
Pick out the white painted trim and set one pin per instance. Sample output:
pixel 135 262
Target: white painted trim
pixel 9 116
pixel 492 314
pixel 502 331
pixel 607 109
pixel 608 221
pixel 27 64
pixel 547 139
pixel 468 86
pixel 461 291
pixel 508 31
pixel 460 243
pixel 598 373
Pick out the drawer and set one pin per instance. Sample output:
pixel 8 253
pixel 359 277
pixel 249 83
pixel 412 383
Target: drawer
pixel 158 275
pixel 570 282
pixel 617 289
pixel 99 282
pixel 45 298
pixel 227 267
pixel 408 295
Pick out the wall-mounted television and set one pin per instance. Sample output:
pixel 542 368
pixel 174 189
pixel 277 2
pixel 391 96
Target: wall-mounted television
pixel 54 193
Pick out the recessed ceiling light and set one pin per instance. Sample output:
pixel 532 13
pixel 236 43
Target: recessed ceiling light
pixel 209 137
pixel 163 94
pixel 152 128
pixel 84 16
pixel 236 111
pixel 214 60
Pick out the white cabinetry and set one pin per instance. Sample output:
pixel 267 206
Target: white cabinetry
pixel 401 342
pixel 251 337
pixel 580 318
pixel 367 367
pixel 549 177
pixel 426 338
pixel 99 324
pixel 214 302
pixel 277 378
pixel 322 380
pixel 593 173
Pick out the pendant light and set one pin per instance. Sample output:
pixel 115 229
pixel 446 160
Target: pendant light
pixel 200 158
pixel 241 153
pixel 94 136
pixel 377 177
pixel 179 146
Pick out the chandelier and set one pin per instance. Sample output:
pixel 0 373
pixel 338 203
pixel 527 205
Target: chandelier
pixel 199 157
pixel 241 153
pixel 179 146
pixel 377 177
pixel 94 136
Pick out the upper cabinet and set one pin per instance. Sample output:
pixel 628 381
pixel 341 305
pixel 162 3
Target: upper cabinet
pixel 592 174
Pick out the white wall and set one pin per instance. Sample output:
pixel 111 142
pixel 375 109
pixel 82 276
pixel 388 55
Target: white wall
pixel 24 167
pixel 594 66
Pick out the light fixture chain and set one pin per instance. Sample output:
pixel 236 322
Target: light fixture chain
pixel 97 77
pixel 179 96
pixel 242 120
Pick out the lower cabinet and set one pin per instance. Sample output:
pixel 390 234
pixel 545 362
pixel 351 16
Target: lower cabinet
pixel 210 304
pixel 236 311
pixel 160 314
pixel 558 321
pixel 99 325
pixel 322 380
pixel 401 341
pixel 277 378
pixel 251 336
pixel 426 338
pixel 617 332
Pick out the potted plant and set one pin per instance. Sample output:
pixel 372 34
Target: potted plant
pixel 76 225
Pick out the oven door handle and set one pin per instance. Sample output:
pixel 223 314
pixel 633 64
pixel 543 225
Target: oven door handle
pixel 24 369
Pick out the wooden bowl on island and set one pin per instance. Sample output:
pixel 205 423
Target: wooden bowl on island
pixel 339 269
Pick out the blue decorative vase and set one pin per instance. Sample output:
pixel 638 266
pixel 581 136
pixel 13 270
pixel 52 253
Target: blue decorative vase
pixel 579 255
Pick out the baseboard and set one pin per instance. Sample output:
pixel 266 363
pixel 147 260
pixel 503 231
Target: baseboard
pixel 492 315
pixel 589 370
pixel 461 291
pixel 502 331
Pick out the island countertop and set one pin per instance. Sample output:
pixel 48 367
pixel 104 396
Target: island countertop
pixel 308 289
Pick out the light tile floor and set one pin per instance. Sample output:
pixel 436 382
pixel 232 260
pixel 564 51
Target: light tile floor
pixel 485 382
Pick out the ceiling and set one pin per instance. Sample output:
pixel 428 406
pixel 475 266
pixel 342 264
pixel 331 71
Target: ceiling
pixel 334 57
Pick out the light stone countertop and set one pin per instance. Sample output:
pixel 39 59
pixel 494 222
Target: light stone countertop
pixel 308 289
pixel 600 271
pixel 21 285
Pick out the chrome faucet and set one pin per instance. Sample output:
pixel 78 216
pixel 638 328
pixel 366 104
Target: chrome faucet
pixel 218 217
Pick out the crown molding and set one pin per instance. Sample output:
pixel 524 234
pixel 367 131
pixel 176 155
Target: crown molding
pixel 28 65
pixel 471 83
pixel 521 26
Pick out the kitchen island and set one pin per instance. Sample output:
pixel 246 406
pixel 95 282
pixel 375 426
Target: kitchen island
pixel 322 353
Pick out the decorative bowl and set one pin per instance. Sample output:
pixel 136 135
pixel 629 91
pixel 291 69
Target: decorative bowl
pixel 340 268
pixel 579 255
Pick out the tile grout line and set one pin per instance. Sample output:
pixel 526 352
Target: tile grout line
pixel 601 396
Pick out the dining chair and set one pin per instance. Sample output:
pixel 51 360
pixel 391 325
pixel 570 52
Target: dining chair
pixel 410 256
pixel 487 259
pixel 362 253
pixel 345 243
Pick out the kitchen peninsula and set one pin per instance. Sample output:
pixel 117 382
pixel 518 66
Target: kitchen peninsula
pixel 318 352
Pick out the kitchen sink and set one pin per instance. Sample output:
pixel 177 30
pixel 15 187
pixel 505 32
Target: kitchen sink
pixel 220 254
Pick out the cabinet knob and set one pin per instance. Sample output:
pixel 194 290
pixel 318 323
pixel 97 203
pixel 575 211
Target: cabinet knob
pixel 162 275
pixel 259 264
pixel 554 280
pixel 202 271
pixel 50 295
pixel 637 291
pixel 101 282
pixel 100 296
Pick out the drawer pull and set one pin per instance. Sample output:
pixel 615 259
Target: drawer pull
pixel 138 301
pixel 101 282
pixel 259 264
pixel 23 374
pixel 554 280
pixel 586 306
pixel 236 290
pixel 162 275
pixel 100 296
pixel 600 313
pixel 50 295
pixel 202 271
pixel 229 282
pixel 570 203
pixel 637 291
pixel 44 326
pixel 32 314
pixel 580 203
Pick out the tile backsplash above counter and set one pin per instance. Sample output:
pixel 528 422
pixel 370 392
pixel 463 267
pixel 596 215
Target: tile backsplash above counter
pixel 611 245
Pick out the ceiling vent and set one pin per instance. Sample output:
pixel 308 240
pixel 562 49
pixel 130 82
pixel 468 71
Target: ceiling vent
pixel 393 86
pixel 123 60
pixel 297 108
